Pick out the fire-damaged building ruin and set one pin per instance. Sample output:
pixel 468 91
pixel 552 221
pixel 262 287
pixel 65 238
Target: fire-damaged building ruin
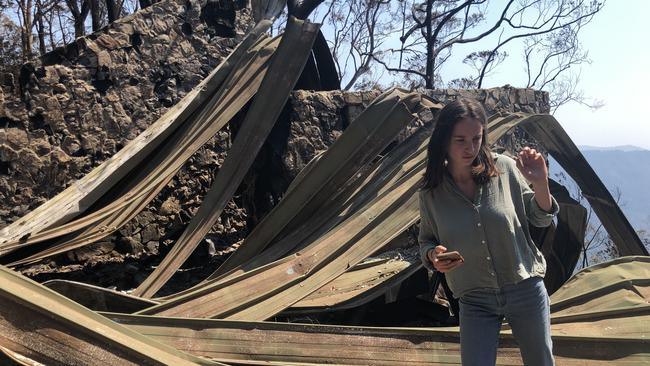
pixel 192 191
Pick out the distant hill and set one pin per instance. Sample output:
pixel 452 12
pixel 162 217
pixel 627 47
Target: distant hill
pixel 626 167
pixel 625 148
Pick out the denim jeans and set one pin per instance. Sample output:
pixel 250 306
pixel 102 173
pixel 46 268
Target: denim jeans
pixel 524 305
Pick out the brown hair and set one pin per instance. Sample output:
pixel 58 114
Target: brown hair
pixel 483 167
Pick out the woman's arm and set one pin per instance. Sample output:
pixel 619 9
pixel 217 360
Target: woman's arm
pixel 532 167
pixel 427 236
pixel 428 240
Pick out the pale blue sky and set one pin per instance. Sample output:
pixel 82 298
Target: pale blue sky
pixel 617 41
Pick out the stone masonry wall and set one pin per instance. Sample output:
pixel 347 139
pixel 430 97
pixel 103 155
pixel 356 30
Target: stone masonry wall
pixel 83 102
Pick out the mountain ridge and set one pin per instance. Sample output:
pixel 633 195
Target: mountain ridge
pixel 623 169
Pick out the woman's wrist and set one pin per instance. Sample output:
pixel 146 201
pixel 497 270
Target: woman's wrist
pixel 543 196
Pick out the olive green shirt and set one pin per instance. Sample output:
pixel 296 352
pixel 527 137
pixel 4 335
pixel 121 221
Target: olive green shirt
pixel 490 232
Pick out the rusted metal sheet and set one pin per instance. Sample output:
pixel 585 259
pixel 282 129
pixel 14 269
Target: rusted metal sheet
pixel 621 286
pixel 228 341
pixel 362 283
pixel 238 88
pixel 42 326
pixel 283 71
pixel 264 292
pixel 357 286
pixel 98 298
pixel 355 193
pixel 372 131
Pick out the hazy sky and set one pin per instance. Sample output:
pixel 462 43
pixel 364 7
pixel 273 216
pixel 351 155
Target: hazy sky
pixel 618 42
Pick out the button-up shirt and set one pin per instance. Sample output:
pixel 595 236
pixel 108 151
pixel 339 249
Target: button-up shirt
pixel 490 231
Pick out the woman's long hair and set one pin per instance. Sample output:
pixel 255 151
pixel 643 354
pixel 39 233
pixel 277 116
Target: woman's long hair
pixel 483 167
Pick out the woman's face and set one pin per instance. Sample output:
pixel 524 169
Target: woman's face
pixel 465 142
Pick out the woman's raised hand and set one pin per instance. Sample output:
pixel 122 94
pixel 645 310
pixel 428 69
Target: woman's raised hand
pixel 532 165
pixel 442 265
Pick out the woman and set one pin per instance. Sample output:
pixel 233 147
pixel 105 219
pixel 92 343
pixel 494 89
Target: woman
pixel 479 204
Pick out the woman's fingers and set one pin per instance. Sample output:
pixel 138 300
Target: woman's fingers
pixel 531 164
pixel 431 254
pixel 446 265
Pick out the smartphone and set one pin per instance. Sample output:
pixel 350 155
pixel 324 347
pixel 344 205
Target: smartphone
pixel 454 256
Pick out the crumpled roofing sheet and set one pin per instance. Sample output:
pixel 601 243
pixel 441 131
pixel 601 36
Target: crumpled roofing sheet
pixel 283 72
pixel 150 178
pixel 42 326
pixel 620 340
pixel 86 191
pixel 623 340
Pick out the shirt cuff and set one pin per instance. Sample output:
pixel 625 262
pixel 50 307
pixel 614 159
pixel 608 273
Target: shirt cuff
pixel 539 217
pixel 423 256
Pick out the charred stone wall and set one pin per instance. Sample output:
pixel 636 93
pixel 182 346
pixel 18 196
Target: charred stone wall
pixel 81 103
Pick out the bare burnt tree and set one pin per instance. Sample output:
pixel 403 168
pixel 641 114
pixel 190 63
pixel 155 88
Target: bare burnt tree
pixel 79 11
pixel 43 10
pixel 301 9
pixel 114 9
pixel 548 57
pixel 445 24
pixel 431 31
pixel 95 14
pixel 359 30
pixel 26 19
pixel 478 60
pixel 10 44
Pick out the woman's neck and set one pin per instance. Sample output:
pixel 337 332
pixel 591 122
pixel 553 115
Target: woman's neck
pixel 460 174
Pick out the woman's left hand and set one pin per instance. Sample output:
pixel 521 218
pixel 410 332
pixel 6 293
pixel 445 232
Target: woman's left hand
pixel 532 166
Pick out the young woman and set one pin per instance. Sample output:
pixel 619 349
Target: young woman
pixel 479 204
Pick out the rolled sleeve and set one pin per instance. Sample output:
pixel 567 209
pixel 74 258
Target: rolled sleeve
pixel 537 216
pixel 427 236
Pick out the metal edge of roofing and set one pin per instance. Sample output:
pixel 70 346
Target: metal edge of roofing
pixel 330 298
pixel 359 143
pixel 99 298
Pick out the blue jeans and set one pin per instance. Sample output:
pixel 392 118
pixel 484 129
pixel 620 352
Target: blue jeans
pixel 526 308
